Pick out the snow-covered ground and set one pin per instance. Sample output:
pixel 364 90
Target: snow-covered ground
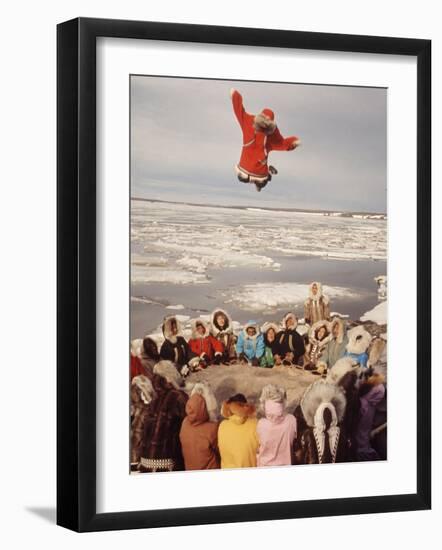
pixel 377 315
pixel 179 244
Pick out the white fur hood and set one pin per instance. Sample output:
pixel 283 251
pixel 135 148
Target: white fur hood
pixel 358 340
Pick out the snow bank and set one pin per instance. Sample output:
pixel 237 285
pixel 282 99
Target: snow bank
pixel 269 297
pixel 377 315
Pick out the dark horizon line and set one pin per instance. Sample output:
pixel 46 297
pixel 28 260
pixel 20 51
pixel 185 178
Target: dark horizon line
pixel 272 208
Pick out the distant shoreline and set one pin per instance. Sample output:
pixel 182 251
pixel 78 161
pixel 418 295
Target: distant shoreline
pixel 333 213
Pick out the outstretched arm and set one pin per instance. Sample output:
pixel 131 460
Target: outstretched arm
pixel 279 143
pixel 238 107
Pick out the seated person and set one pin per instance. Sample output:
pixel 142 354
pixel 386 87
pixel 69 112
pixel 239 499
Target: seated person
pixel 290 344
pixel 250 345
pixel 204 345
pixel 269 332
pixel 222 329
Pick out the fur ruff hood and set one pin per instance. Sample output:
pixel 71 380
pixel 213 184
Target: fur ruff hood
pixel 358 340
pixel 341 329
pixel 319 394
pixel 167 370
pixel 215 330
pixel 270 392
pixel 266 326
pixel 318 295
pixel 167 331
pixel 374 379
pixel 251 324
pixel 144 387
pixel 312 334
pixel 195 334
pixel 241 411
pixel 285 319
pixel 263 122
pixel 205 391
pixel 340 369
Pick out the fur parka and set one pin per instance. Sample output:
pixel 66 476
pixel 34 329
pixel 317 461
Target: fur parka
pixel 317 306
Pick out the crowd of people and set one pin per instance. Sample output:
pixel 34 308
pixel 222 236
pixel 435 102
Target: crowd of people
pixel 177 426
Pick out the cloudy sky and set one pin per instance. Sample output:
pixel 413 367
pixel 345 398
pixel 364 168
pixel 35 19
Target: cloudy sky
pixel 185 142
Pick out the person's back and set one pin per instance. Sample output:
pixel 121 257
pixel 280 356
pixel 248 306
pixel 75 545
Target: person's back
pixel 276 440
pixel 237 438
pixel 198 436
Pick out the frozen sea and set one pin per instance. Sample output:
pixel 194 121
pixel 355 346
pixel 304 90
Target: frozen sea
pixel 255 263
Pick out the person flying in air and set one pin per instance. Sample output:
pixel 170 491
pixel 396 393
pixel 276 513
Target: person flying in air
pixel 260 136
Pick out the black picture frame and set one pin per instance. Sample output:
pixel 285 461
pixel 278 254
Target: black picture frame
pixel 76 273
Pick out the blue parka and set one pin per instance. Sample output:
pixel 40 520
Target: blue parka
pixel 252 346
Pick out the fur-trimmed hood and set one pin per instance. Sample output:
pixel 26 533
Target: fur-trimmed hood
pixel 337 321
pixel 312 334
pixel 318 295
pixel 205 391
pixel 167 331
pixel 270 392
pixel 251 324
pixel 374 379
pixel 195 333
pixel 319 394
pixel 167 370
pixel 238 411
pixel 214 328
pixel 340 369
pixel 264 122
pixel 288 316
pixel 358 340
pixel 266 327
pixel 144 387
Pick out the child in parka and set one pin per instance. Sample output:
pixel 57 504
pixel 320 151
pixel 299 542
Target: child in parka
pixel 290 344
pixel 221 327
pixel 204 345
pixel 269 332
pixel 250 346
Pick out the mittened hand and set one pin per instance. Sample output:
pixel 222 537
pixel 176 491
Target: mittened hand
pixel 243 358
pixel 184 371
pixel 255 362
pixel 217 359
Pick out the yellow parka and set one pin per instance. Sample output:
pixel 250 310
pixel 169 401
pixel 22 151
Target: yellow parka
pixel 237 439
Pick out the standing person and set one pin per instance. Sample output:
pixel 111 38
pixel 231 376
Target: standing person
pixel 250 346
pixel 319 337
pixel 237 439
pixel 270 356
pixel 260 136
pixel 141 395
pixel 323 408
pixel 317 305
pixel 290 344
pixel 161 444
pixel 371 395
pixel 205 346
pixel 149 355
pixel 277 430
pixel 221 327
pixel 199 436
pixel 175 348
pixel 335 348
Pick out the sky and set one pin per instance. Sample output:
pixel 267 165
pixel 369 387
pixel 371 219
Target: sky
pixel 185 142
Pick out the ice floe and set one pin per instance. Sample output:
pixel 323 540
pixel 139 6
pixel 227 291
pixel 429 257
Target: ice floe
pixel 180 244
pixel 269 297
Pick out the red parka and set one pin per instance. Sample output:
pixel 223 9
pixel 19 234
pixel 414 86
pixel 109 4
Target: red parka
pixel 205 344
pixel 256 144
